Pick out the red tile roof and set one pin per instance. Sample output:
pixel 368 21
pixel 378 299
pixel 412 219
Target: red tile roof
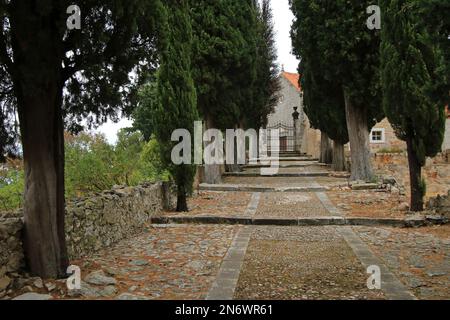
pixel 293 78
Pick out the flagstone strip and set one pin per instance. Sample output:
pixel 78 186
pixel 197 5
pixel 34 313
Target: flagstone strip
pixel 326 202
pixel 393 288
pixel 390 285
pixel 227 278
pixel 253 205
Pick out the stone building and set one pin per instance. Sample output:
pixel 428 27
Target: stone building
pixel 282 118
pixel 383 138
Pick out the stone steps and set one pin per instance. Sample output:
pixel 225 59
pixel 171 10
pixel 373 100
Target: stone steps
pixel 258 160
pixel 285 175
pixel 307 221
pixel 288 165
pixel 256 188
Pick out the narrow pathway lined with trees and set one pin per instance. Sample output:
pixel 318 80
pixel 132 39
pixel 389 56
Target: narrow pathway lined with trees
pixel 221 259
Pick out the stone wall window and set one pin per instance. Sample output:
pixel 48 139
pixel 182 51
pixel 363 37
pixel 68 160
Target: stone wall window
pixel 377 136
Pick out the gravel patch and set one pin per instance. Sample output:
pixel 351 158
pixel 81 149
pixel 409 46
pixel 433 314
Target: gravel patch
pixel 290 205
pixel 301 263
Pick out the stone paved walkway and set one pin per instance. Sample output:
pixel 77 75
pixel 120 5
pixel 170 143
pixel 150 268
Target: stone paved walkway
pixel 220 261
pixel 301 263
pixel 290 205
pixel 420 258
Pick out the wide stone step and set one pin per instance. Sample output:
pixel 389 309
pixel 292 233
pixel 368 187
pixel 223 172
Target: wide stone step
pixel 258 160
pixel 306 221
pixel 305 164
pixel 287 174
pixel 256 188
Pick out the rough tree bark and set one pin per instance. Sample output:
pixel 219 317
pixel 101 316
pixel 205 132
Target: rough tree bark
pixel 358 132
pixel 338 156
pixel 415 176
pixel 38 84
pixel 212 172
pixel 326 152
pixel 234 167
pixel 182 199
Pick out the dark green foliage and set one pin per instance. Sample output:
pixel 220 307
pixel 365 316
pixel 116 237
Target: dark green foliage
pixel 346 55
pixel 178 100
pixel 323 103
pixel 224 58
pixel 345 50
pixel 143 115
pixel 416 82
pixel 266 86
pixel 116 37
pixel 323 99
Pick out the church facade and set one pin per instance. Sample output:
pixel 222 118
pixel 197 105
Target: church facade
pixel 282 118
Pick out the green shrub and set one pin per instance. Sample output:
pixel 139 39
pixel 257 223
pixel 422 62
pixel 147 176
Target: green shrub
pixel 11 188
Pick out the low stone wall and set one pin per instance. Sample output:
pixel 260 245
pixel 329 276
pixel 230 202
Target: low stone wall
pixel 440 205
pixel 436 171
pixel 11 252
pixel 92 223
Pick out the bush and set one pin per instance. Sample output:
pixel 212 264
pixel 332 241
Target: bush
pixel 93 165
pixel 11 188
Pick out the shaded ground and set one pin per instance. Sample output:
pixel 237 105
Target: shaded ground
pixel 420 258
pixel 206 203
pixel 301 263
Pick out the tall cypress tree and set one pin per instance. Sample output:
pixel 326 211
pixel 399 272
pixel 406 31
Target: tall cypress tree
pixel 335 30
pixel 224 64
pixel 267 85
pixel 223 59
pixel 178 99
pixel 416 84
pixel 325 107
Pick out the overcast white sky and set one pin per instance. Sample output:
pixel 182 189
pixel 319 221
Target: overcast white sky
pixel 283 19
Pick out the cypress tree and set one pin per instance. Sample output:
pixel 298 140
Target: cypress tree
pixel 178 100
pixel 416 84
pixel 325 107
pixel 224 64
pixel 267 85
pixel 53 79
pixel 348 53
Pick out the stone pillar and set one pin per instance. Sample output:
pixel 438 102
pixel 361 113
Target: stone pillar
pixel 297 130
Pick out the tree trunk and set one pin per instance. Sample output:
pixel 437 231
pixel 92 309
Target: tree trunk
pixel 182 199
pixel 325 149
pixel 358 132
pixel 38 85
pixel 234 167
pixel 415 177
pixel 212 174
pixel 338 156
pixel 44 209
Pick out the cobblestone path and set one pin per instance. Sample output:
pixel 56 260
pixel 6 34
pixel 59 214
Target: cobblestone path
pixel 220 261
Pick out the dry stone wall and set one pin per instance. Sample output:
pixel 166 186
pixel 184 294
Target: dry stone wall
pixel 92 223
